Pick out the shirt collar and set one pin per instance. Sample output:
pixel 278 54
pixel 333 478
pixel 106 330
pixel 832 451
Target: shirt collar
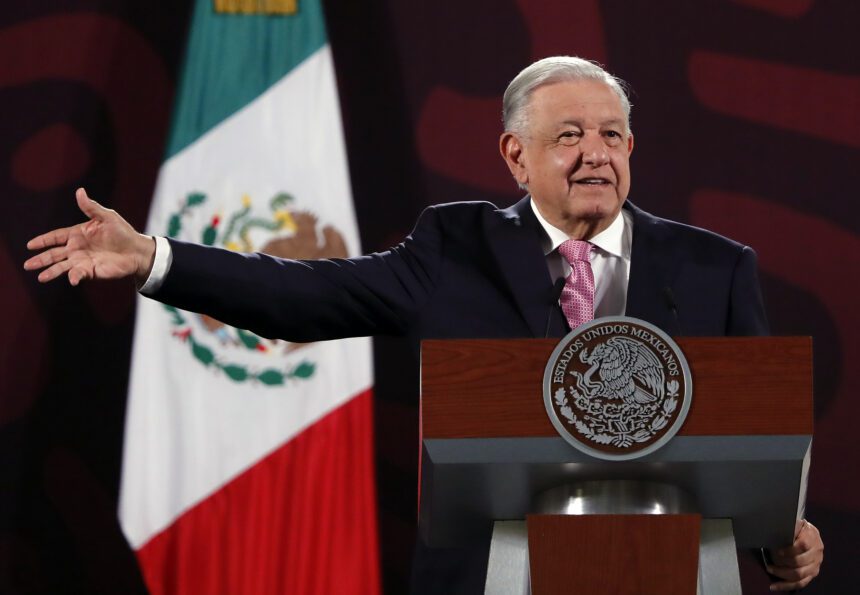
pixel 611 240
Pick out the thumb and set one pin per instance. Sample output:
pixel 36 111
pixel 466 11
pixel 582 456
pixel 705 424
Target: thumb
pixel 799 526
pixel 90 208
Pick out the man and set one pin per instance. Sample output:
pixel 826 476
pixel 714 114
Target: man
pixel 471 269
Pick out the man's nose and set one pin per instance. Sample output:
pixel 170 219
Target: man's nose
pixel 594 151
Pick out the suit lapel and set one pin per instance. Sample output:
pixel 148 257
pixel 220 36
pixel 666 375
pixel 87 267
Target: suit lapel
pixel 653 269
pixel 514 240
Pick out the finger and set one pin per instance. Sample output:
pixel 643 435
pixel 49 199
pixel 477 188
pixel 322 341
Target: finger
pixel 796 580
pixel 78 274
pixel 46 258
pixel 791 585
pixel 52 238
pixel 90 208
pixel 808 539
pixel 54 271
pixel 791 574
pixel 796 561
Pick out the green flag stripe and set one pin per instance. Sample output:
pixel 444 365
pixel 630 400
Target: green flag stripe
pixel 216 80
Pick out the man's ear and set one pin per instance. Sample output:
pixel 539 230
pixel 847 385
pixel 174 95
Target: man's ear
pixel 629 143
pixel 512 152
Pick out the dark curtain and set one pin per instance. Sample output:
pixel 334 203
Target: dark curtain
pixel 746 122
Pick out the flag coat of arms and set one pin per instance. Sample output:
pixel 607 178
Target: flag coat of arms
pixel 248 462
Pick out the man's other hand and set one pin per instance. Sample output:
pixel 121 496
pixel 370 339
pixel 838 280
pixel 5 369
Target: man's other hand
pixel 799 564
pixel 104 247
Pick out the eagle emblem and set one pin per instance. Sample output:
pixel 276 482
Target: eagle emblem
pixel 621 362
pixel 272 228
pixel 617 388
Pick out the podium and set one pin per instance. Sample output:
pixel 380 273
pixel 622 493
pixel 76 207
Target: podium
pixel 734 474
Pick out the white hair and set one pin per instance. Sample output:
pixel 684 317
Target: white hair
pixel 550 70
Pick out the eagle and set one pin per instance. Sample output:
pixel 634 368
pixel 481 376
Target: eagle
pixel 620 362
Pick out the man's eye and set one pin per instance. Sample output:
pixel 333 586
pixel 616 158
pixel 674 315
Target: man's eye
pixel 613 137
pixel 569 137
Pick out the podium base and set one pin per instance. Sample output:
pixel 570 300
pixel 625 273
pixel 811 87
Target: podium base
pixel 508 567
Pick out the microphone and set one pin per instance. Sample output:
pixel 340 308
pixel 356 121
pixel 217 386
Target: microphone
pixel 557 288
pixel 673 306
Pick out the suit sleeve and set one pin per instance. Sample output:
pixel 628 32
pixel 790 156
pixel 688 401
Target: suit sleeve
pixel 308 300
pixel 746 308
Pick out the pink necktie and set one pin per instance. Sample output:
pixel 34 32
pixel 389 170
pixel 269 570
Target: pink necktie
pixel 577 296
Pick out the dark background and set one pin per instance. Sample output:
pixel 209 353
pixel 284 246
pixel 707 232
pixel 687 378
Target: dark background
pixel 746 122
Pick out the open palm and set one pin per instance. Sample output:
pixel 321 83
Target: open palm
pixel 104 247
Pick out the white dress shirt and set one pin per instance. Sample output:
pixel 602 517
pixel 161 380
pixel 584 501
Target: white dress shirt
pixel 610 261
pixel 160 266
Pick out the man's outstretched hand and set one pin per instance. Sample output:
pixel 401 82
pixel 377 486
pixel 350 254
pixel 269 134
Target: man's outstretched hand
pixel 105 247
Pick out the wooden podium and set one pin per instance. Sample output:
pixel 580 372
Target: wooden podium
pixel 489 451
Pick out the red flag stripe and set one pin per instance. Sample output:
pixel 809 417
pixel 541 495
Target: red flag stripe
pixel 302 520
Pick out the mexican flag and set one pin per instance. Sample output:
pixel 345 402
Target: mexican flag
pixel 248 462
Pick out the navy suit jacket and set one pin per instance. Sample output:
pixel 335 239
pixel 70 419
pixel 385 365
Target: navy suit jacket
pixel 467 270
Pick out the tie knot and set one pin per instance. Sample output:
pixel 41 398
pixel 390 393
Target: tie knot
pixel 574 250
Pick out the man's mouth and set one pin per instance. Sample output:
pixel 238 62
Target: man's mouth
pixel 592 181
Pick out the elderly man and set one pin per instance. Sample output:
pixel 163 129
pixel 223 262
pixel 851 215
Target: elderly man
pixel 471 269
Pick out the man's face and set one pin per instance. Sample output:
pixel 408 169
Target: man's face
pixel 575 155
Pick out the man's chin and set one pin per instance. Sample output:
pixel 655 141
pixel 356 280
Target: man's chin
pixel 589 209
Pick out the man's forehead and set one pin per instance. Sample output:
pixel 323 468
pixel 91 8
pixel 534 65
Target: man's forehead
pixel 609 121
pixel 577 95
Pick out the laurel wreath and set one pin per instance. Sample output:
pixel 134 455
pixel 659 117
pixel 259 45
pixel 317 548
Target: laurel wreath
pixel 618 440
pixel 204 354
